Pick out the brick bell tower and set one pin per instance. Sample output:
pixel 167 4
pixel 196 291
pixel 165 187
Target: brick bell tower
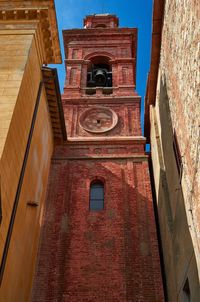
pixel 99 239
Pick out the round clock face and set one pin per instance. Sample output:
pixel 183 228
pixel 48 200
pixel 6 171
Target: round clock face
pixel 98 119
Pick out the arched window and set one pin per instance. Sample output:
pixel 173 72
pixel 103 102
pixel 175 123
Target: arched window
pixel 99 72
pixel 96 196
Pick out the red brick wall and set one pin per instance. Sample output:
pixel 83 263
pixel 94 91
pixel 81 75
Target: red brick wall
pixel 110 255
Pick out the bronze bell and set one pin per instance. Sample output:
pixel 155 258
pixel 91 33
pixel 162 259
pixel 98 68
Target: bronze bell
pixel 100 78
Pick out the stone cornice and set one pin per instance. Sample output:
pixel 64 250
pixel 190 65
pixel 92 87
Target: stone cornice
pixel 114 61
pixel 20 13
pixel 114 139
pixel 99 31
pixel 134 158
pixel 127 100
pixel 80 35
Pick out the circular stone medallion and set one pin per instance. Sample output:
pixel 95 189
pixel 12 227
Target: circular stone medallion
pixel 98 119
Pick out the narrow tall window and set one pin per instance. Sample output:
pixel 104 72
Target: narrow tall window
pixel 177 154
pixel 96 196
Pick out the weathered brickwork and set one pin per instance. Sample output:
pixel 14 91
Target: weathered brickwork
pixel 108 255
pixel 180 67
pixel 127 148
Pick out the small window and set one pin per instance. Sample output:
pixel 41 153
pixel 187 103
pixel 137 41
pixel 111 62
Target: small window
pixel 97 196
pixel 186 292
pixel 177 154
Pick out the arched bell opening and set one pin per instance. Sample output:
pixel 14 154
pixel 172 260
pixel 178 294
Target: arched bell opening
pixel 100 26
pixel 99 73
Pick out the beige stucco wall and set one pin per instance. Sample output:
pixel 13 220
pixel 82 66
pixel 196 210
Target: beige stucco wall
pixel 20 262
pixel 15 136
pixel 178 107
pixel 14 49
pixel 28 39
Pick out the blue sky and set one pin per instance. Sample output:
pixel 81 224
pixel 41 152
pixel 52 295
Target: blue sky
pixel 131 13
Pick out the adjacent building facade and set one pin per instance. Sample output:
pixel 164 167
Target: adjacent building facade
pixel 30 126
pixel 172 126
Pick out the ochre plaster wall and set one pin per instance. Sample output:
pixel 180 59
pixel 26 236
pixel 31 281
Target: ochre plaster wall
pixel 20 262
pixel 14 49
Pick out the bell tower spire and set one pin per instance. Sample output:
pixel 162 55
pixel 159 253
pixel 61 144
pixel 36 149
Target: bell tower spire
pixel 100 67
